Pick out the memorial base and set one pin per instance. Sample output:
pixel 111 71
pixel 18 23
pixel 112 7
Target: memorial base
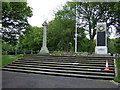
pixel 102 50
pixel 44 50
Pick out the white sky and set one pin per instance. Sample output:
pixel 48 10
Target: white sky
pixel 43 10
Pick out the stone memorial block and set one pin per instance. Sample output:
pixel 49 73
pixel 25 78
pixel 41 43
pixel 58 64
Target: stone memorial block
pixel 101 40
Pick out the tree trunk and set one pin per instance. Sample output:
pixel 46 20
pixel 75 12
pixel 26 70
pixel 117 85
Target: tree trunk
pixel 91 37
pixel 91 46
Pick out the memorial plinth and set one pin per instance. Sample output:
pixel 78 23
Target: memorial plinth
pixel 101 40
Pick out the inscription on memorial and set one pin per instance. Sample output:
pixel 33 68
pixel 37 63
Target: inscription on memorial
pixel 101 38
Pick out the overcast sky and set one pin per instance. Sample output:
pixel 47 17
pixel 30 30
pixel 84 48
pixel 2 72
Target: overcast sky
pixel 43 9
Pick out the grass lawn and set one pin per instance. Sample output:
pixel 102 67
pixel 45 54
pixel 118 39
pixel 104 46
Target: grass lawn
pixel 118 70
pixel 8 59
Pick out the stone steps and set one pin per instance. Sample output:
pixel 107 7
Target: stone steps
pixel 72 66
pixel 72 61
pixel 58 63
pixel 54 59
pixel 64 68
pixel 62 71
pixel 69 66
pixel 59 74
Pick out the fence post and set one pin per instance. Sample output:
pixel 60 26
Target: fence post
pixel 31 51
pixel 115 66
pixel 6 52
pixel 15 51
pixel 24 51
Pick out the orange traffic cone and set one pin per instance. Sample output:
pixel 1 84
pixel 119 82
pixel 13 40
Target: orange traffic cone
pixel 107 68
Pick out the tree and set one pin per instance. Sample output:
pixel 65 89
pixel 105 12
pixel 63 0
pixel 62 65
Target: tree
pixel 111 45
pixel 14 20
pixel 89 13
pixel 117 45
pixel 31 39
pixel 60 36
pixel 61 33
pixel 83 45
pixel 6 46
pixel 117 9
pixel 117 40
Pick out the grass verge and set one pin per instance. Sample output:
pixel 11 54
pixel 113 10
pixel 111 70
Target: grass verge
pixel 6 59
pixel 117 79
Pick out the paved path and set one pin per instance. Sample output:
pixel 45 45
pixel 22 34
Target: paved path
pixel 22 80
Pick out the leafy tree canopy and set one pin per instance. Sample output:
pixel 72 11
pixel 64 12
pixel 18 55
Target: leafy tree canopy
pixel 31 39
pixel 89 13
pixel 14 19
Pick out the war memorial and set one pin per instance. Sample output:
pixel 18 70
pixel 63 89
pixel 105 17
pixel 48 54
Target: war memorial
pixel 69 65
pixel 96 65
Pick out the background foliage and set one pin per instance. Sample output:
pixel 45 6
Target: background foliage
pixel 18 34
pixel 14 20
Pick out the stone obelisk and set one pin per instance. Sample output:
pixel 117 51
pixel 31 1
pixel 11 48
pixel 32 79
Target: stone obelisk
pixel 44 48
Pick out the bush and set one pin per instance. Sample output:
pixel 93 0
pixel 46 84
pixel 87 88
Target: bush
pixel 118 70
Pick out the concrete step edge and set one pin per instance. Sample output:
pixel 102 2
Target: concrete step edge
pixel 65 68
pixel 66 71
pixel 61 74
pixel 68 64
pixel 63 65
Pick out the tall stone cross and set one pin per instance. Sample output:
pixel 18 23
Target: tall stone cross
pixel 44 48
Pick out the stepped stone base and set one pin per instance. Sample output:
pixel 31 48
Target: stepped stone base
pixel 101 55
pixel 102 50
pixel 44 50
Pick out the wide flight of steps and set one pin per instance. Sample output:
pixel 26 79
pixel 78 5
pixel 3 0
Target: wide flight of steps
pixel 72 66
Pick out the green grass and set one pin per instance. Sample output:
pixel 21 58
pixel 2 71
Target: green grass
pixel 6 59
pixel 117 79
